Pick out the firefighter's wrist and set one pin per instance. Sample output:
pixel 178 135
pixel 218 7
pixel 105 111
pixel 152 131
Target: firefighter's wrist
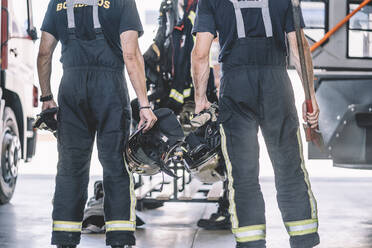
pixel 143 102
pixel 145 107
pixel 200 99
pixel 46 97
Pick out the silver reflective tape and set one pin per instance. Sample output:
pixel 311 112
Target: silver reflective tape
pixel 267 21
pixel 302 227
pixel 247 234
pixel 251 4
pixel 70 12
pixel 120 225
pixel 67 227
pixel 263 5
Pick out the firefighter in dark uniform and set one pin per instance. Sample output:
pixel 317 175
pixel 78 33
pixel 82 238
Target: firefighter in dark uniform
pixel 256 92
pixel 97 37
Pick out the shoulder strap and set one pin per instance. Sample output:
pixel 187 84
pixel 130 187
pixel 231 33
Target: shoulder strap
pixel 70 12
pixel 248 4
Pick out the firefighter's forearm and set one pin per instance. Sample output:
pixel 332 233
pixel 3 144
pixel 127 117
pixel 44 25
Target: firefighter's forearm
pixel 136 71
pixel 44 61
pixel 44 67
pixel 135 65
pixel 200 73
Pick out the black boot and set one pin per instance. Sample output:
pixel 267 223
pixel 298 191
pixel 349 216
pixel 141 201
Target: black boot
pixel 219 220
pixel 66 246
pixel 118 246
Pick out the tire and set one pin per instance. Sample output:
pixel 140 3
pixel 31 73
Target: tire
pixel 11 153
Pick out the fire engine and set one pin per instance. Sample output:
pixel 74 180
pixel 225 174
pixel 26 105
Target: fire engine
pixel 18 94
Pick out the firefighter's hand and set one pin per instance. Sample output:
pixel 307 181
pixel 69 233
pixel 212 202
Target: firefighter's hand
pixel 311 118
pixel 202 104
pixel 49 104
pixel 147 119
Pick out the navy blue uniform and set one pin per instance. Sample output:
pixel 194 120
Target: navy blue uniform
pixel 93 101
pixel 213 16
pixel 256 93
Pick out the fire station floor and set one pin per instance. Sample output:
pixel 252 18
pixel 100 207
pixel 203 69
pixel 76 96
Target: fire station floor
pixel 345 210
pixel 344 201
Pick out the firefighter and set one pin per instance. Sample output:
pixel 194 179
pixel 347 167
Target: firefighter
pixel 97 38
pixel 256 92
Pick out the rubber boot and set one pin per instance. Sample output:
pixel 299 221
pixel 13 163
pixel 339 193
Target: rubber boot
pixel 219 220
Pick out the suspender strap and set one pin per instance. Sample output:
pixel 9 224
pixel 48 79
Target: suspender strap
pixel 249 4
pixel 70 12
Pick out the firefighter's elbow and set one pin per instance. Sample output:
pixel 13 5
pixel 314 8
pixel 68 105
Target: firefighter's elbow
pixel 44 54
pixel 129 57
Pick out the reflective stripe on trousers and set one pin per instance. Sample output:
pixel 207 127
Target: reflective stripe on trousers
pixel 250 233
pixel 303 227
pixel 119 225
pixel 240 117
pixel 67 226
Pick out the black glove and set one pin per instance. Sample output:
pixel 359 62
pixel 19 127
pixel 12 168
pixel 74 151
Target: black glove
pixel 46 120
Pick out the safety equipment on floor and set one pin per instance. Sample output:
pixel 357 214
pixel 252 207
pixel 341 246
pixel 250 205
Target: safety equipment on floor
pixel 46 120
pixel 202 151
pixel 145 152
pixel 94 217
pixel 93 221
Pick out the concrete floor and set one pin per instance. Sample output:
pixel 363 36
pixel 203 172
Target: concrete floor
pixel 345 207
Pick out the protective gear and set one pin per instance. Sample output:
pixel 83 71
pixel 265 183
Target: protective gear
pixel 46 120
pixel 93 100
pixel 203 156
pixel 145 152
pixel 219 220
pixel 257 92
pixel 207 115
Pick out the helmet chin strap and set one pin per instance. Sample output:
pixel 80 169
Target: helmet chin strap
pixel 165 168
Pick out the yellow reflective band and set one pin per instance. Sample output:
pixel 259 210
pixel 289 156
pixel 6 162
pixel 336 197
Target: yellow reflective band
pixel 250 233
pixel 120 225
pixel 133 198
pixel 156 49
pixel 176 96
pixel 187 93
pixel 192 17
pixel 232 207
pixel 296 228
pixel 67 226
pixel 313 203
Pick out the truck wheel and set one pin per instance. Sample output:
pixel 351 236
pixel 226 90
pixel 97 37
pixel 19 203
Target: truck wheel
pixel 11 154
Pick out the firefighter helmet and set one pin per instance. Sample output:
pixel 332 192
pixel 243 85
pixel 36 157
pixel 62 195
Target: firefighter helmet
pixel 203 157
pixel 145 152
